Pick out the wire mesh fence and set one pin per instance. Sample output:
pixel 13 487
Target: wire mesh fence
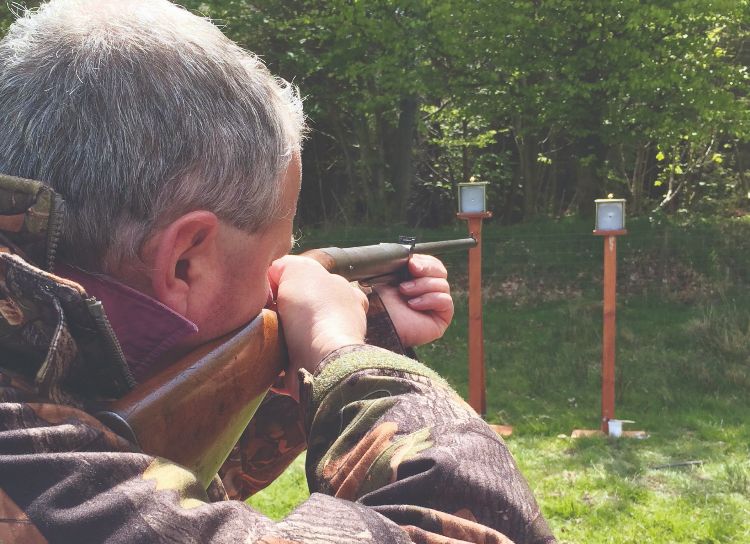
pixel 659 262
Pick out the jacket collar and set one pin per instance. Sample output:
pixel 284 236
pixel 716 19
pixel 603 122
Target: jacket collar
pixel 30 221
pixel 145 327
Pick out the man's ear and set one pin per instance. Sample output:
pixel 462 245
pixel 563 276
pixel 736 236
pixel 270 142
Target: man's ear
pixel 184 258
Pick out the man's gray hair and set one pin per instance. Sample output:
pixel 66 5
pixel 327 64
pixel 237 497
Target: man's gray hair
pixel 137 112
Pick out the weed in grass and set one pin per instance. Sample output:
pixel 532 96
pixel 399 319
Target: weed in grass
pixel 737 477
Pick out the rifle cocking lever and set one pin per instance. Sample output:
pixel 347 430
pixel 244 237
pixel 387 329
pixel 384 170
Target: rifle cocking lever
pixel 410 241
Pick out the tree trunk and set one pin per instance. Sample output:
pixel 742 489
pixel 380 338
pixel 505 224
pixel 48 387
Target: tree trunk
pixel 319 175
pixel 379 167
pixel 371 184
pixel 345 208
pixel 638 180
pixel 589 184
pixel 527 170
pixel 403 165
pixel 465 169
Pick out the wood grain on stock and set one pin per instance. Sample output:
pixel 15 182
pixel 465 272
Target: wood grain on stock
pixel 195 410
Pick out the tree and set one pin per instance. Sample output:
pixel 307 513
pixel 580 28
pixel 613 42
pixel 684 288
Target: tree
pixel 555 102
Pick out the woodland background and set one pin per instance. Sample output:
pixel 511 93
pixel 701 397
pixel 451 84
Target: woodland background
pixel 554 102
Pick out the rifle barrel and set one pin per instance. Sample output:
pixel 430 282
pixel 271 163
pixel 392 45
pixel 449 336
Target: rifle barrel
pixel 444 246
pixel 379 262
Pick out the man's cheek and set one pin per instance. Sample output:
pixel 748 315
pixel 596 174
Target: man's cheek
pixel 252 301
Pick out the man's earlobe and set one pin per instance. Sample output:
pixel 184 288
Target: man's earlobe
pixel 182 255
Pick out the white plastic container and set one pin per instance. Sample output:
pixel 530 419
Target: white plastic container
pixel 615 426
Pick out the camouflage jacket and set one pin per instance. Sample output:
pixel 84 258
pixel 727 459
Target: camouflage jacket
pixel 394 455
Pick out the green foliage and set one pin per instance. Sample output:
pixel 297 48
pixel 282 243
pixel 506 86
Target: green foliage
pixel 555 103
pixel 11 9
pixel 6 18
pixel 364 69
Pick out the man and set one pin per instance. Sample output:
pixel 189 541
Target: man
pixel 178 159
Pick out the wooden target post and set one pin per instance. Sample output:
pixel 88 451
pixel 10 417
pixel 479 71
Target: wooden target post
pixel 608 327
pixel 472 206
pixel 610 223
pixel 477 386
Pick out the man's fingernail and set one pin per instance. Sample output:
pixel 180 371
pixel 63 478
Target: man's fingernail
pixel 408 284
pixel 415 300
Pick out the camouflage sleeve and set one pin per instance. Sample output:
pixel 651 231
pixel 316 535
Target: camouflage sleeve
pixel 276 436
pixel 64 478
pixel 388 433
pixel 385 437
pixel 273 439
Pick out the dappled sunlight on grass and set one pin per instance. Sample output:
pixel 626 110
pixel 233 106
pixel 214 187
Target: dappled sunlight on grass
pixel 624 490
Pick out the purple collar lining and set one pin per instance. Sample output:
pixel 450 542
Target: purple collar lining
pixel 145 327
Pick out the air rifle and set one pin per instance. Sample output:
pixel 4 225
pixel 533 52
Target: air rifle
pixel 195 410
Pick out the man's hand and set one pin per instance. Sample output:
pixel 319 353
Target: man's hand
pixel 421 308
pixel 320 312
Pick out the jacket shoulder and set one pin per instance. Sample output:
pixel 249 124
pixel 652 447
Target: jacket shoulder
pixel 30 219
pixel 56 336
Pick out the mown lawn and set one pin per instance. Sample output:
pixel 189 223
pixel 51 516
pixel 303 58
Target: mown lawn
pixel 683 374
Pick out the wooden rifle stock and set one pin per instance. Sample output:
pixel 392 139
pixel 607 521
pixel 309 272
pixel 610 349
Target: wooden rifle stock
pixel 194 411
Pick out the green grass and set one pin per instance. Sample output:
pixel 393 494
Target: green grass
pixel 689 395
pixel 286 492
pixel 683 374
